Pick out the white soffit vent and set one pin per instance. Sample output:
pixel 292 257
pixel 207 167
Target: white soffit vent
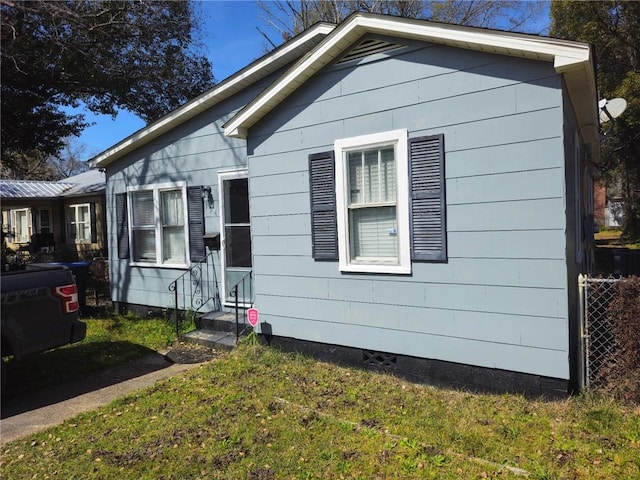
pixel 368 46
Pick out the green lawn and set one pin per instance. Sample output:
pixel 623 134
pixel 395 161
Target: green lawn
pixel 257 413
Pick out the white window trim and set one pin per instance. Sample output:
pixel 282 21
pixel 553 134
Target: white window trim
pixel 157 188
pixel 397 138
pixel 14 225
pixel 224 175
pixel 74 211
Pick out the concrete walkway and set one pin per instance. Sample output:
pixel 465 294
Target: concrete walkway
pixel 26 414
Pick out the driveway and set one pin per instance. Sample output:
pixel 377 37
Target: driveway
pixel 25 414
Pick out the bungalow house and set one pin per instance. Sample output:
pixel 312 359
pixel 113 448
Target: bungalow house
pixel 396 191
pixel 65 218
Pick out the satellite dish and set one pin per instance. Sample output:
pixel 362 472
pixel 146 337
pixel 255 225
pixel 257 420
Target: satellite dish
pixel 610 109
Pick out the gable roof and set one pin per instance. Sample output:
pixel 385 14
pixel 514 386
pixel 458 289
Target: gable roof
pixel 573 60
pixel 85 183
pixel 265 65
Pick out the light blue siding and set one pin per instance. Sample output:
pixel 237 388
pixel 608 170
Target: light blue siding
pixel 448 348
pixel 193 153
pixel 529 273
pixel 500 301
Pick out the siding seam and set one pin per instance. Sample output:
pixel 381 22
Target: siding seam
pixel 425 307
pixel 417 332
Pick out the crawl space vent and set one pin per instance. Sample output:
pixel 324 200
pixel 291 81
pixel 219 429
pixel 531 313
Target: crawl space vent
pixel 378 359
pixel 369 46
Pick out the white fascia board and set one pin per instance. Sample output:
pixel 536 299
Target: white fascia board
pixel 239 125
pixel 565 55
pixel 210 98
pixel 519 44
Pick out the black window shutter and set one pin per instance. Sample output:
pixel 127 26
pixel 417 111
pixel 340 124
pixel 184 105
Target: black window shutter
pixel 92 214
pixel 427 207
pixel 122 225
pixel 195 209
pixel 324 226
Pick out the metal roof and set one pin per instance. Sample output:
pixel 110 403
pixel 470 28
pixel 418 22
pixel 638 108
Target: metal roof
pixel 31 189
pixel 89 182
pixel 86 183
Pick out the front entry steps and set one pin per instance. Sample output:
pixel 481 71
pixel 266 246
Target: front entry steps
pixel 215 330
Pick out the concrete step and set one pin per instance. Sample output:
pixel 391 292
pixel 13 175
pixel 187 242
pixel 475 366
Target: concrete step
pixel 221 321
pixel 211 339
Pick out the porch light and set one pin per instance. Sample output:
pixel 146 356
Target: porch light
pixel 206 195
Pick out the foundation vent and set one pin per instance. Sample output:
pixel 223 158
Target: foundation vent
pixel 379 359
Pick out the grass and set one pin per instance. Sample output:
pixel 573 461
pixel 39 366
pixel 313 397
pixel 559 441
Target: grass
pixel 611 237
pixel 257 413
pixel 110 341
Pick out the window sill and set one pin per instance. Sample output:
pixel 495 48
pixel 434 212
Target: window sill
pixel 231 304
pixel 371 268
pixel 173 266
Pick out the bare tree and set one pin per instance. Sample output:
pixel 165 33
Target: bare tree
pixel 34 165
pixel 69 161
pixel 501 14
pixel 290 17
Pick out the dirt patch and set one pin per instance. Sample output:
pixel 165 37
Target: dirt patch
pixel 184 352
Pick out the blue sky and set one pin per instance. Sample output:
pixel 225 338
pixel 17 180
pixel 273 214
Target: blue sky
pixel 231 41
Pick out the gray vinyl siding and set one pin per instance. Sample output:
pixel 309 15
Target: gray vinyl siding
pixel 500 301
pixel 193 153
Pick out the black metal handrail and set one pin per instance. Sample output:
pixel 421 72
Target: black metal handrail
pixel 196 288
pixel 246 281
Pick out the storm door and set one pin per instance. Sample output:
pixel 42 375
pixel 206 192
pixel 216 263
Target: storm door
pixel 236 235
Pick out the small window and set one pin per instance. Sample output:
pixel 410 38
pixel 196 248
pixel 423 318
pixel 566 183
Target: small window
pixel 79 223
pixel 372 201
pixel 158 229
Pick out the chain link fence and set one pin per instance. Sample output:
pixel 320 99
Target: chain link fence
pixel 599 344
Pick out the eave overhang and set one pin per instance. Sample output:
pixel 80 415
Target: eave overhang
pixel 573 60
pixel 257 70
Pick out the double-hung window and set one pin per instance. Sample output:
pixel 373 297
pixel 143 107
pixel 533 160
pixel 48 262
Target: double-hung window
pixel 378 202
pixel 372 203
pixel 79 224
pixel 157 222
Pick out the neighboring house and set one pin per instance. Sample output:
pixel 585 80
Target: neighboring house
pixel 66 218
pixel 608 211
pixel 404 192
pixel 614 212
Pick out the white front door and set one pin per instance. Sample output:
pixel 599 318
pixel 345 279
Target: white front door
pixel 236 235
